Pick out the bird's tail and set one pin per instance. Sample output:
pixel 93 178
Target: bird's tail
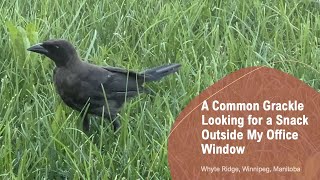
pixel 159 72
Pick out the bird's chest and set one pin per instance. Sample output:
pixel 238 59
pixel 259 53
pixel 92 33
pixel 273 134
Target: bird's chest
pixel 70 87
pixel 65 82
pixel 77 88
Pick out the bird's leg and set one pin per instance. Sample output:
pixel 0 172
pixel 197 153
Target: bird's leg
pixel 115 123
pixel 86 122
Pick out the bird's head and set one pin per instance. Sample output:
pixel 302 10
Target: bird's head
pixel 61 52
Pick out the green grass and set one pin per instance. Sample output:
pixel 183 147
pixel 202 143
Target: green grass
pixel 41 138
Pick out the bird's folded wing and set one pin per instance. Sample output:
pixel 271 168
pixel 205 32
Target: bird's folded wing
pixel 138 76
pixel 123 83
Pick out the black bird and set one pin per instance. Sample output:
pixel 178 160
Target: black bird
pixel 93 89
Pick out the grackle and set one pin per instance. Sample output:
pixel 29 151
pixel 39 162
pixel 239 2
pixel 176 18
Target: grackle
pixel 92 89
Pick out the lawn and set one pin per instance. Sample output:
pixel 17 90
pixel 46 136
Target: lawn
pixel 42 138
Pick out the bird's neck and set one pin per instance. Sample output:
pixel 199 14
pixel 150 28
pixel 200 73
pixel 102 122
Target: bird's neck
pixel 71 62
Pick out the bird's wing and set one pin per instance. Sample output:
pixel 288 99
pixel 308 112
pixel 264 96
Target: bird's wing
pixel 123 83
pixel 138 76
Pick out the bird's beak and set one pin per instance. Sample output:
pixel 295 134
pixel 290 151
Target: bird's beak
pixel 38 48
